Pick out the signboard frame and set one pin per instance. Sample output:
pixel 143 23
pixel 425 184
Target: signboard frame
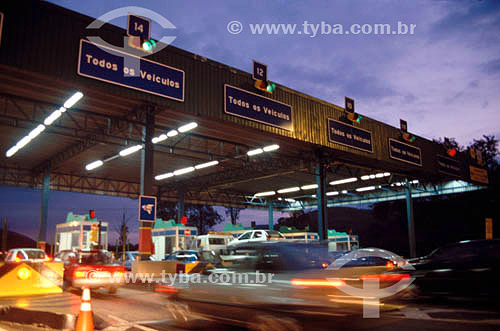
pixel 128 86
pixel 357 128
pixel 148 36
pixel 255 120
pixel 403 160
pixel 155 207
pixel 256 64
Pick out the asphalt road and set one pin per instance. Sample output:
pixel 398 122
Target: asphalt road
pixel 135 309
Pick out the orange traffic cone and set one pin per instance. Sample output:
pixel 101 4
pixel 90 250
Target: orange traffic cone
pixel 85 321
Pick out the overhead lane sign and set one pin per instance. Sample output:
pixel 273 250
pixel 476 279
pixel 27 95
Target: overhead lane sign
pixel 257 108
pixel 349 135
pixel 405 152
pixel 108 65
pixel 449 166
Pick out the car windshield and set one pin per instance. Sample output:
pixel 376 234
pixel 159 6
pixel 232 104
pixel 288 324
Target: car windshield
pixel 35 254
pixel 96 257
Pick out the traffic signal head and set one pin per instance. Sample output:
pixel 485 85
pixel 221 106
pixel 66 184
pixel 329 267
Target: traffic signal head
pixel 91 214
pixel 353 117
pixel 452 152
pixel 149 45
pixel 264 86
pixel 409 137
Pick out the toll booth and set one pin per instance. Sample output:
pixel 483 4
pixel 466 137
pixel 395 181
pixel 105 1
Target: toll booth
pixel 293 234
pixel 342 241
pixel 80 231
pixel 169 237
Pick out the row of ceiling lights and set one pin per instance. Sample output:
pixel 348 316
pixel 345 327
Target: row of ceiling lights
pixel 41 127
pixel 135 148
pixel 183 171
pixel 333 183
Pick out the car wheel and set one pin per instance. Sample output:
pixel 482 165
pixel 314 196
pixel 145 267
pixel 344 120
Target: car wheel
pixel 274 323
pixel 112 289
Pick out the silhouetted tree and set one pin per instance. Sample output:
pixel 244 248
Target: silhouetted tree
pixel 202 216
pixel 233 213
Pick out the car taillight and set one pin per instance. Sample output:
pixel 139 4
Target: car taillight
pixel 18 259
pixel 324 265
pixel 47 259
pixel 79 274
pixel 317 282
pixel 389 265
pixel 386 277
pixel 165 289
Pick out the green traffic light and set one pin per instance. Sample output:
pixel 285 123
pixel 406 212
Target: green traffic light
pixel 360 117
pixel 148 45
pixel 413 138
pixel 270 87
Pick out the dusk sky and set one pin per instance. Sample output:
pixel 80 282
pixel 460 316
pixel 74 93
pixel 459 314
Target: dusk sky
pixel 443 79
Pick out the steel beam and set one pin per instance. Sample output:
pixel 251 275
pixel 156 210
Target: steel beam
pixel 411 221
pixel 42 229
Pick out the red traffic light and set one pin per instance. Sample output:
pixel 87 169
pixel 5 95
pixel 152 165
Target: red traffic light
pixel 91 214
pixel 452 152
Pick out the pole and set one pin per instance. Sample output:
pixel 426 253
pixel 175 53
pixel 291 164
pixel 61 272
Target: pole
pixel 99 246
pixel 271 218
pixel 124 238
pixel 145 236
pixel 4 234
pixel 321 200
pixel 180 205
pixel 42 229
pixel 411 223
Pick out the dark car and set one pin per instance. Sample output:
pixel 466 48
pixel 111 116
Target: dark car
pixel 274 285
pixel 91 268
pixel 470 268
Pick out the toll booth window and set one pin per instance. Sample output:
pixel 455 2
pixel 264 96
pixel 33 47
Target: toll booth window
pixel 75 240
pixel 169 245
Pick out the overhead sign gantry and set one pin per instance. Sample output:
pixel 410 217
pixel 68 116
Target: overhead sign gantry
pixel 124 136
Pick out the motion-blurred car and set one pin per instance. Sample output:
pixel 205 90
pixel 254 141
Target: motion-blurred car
pixel 280 286
pixel 466 268
pixel 184 256
pixel 131 256
pixel 257 235
pixel 91 268
pixel 26 255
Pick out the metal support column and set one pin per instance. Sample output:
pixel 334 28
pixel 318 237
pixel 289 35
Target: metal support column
pixel 321 199
pixel 180 205
pixel 42 229
pixel 145 235
pixel 411 222
pixel 271 216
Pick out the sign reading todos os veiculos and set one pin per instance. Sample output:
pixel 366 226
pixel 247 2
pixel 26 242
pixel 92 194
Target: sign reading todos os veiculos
pixel 257 108
pixel 116 67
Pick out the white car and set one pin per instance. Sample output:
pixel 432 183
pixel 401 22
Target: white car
pixel 26 255
pixel 257 235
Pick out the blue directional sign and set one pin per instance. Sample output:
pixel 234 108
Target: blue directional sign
pixel 259 71
pixel 110 65
pixel 257 108
pixel 348 135
pixel 147 208
pixel 138 27
pixel 404 152
pixel 449 166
